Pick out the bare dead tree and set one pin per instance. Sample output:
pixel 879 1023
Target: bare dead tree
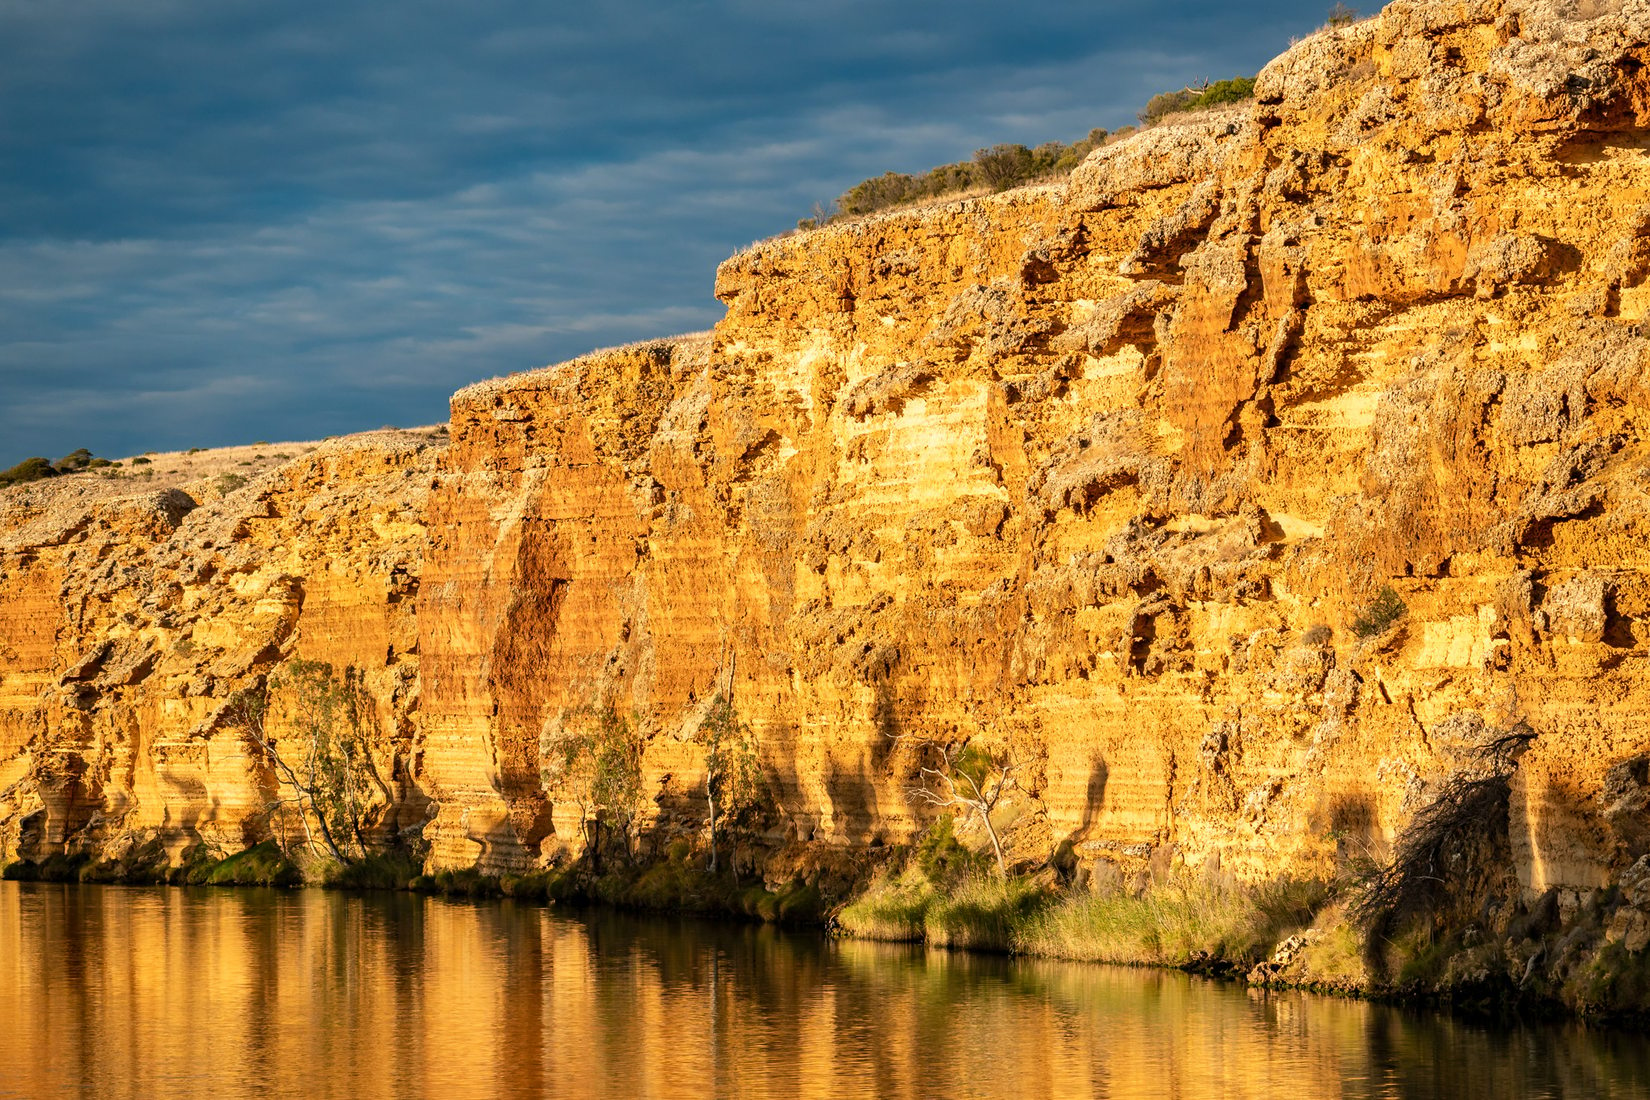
pixel 972 781
pixel 1453 848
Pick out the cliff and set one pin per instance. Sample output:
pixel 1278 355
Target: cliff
pixel 1109 477
pixel 133 610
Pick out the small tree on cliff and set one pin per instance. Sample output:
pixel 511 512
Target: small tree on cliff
pixel 734 788
pixel 596 759
pixel 322 766
pixel 966 778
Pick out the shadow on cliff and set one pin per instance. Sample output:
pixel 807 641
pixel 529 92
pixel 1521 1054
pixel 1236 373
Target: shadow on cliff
pixel 856 807
pixel 1094 800
pixel 1460 909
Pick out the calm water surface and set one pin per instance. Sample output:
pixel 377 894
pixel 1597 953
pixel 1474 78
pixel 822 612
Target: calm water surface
pixel 127 992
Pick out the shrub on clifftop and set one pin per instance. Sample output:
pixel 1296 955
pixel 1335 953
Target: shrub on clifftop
pixel 1198 98
pixel 38 467
pixel 30 469
pixel 1005 165
pixel 998 167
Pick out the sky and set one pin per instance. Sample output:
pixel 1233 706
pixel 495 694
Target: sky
pixel 235 220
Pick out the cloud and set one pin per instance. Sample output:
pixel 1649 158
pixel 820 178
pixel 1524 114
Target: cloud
pixel 258 220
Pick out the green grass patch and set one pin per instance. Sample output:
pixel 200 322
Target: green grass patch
pixel 546 885
pixel 1335 961
pixel 890 909
pixel 797 903
pixel 976 911
pixel 680 886
pixel 59 867
pixel 1180 922
pixel 146 863
pixel 376 871
pixel 466 882
pixel 1614 982
pixel 672 886
pixel 198 862
pixel 987 914
pixel 261 865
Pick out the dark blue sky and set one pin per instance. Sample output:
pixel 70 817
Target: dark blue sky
pixel 231 220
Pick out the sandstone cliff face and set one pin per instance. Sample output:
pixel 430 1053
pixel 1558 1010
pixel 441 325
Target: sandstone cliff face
pixel 130 618
pixel 1100 475
pixel 1103 474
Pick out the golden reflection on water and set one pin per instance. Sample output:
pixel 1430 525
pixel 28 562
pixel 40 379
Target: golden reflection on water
pixel 125 992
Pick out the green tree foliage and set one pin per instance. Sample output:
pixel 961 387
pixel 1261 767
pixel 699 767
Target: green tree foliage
pixel 74 460
pixel 1221 92
pixel 997 168
pixel 595 759
pixel 321 765
pixel 968 779
pixel 1388 607
pixel 30 469
pixel 735 790
pixel 1002 166
pixel 880 192
pixel 942 858
pixel 1342 16
pixel 36 468
pixel 1007 165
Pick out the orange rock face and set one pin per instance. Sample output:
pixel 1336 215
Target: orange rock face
pixel 130 620
pixel 1104 476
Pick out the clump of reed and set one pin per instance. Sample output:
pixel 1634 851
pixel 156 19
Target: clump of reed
pixel 946 896
pixel 1183 921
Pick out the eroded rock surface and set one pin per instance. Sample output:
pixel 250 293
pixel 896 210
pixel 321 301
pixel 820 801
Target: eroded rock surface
pixel 131 618
pixel 1100 474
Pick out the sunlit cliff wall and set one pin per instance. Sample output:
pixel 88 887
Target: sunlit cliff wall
pixel 129 620
pixel 1102 473
pixel 1098 474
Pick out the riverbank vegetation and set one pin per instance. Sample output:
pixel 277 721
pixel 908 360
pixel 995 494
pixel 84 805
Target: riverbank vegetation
pixel 150 864
pixel 945 896
pixel 1393 927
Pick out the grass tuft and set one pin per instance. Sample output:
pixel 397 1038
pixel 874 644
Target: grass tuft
pixel 1180 922
pixel 977 912
pixel 261 865
pixel 375 871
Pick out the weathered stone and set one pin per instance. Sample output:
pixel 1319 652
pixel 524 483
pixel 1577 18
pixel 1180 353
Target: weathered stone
pixel 1082 471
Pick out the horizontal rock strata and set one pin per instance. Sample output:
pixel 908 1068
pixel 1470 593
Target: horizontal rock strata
pixel 1113 477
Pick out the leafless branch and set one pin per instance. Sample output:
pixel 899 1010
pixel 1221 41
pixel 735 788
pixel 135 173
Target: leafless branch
pixel 977 797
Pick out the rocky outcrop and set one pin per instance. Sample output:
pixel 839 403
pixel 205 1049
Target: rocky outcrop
pixel 130 621
pixel 1246 491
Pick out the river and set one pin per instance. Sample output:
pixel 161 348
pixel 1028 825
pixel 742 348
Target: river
pixel 170 992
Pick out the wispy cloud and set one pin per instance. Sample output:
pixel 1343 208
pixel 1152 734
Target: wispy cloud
pixel 258 220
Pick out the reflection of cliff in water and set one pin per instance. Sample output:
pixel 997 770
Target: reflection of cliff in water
pixel 128 992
